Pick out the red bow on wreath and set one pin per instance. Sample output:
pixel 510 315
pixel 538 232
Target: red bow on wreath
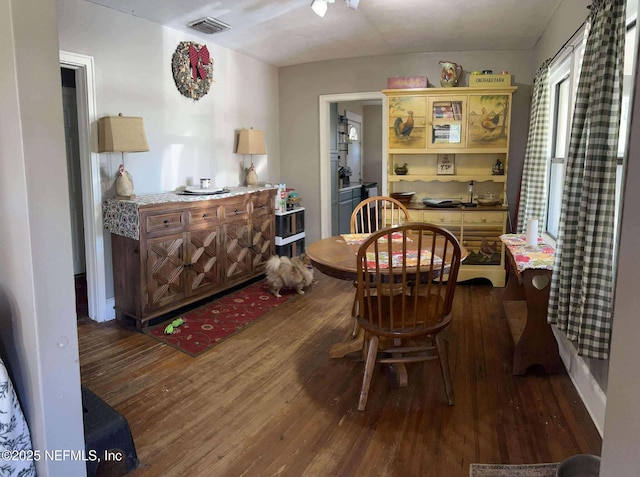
pixel 198 58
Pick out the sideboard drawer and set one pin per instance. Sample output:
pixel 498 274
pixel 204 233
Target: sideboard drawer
pixel 167 221
pixel 204 217
pixel 236 210
pixel 442 217
pixel 262 202
pixel 471 218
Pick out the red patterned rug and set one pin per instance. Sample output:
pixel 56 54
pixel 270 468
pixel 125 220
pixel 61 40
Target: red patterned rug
pixel 210 324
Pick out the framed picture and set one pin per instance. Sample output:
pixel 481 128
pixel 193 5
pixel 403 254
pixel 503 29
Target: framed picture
pixel 446 164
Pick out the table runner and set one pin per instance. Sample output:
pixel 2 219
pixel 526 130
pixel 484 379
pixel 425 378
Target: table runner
pixel 396 256
pixel 541 257
pixel 358 239
pixel 397 260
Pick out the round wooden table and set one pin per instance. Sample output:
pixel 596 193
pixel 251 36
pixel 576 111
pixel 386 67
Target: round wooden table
pixel 336 258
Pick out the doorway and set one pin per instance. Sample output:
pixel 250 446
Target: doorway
pixel 70 119
pixel 325 102
pixel 90 185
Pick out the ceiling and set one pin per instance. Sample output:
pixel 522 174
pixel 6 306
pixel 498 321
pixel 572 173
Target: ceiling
pixel 288 32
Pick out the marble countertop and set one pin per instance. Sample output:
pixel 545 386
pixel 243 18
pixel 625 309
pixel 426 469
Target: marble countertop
pixel 121 216
pixel 180 196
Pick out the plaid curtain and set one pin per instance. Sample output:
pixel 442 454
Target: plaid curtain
pixel 533 189
pixel 581 300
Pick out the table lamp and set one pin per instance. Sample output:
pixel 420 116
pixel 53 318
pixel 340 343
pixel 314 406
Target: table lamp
pixel 122 134
pixel 251 141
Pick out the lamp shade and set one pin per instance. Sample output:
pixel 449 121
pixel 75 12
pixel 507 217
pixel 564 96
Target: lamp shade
pixel 251 141
pixel 121 134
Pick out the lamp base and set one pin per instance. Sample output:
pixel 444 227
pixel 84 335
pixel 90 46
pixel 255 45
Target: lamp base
pixel 125 197
pixel 252 177
pixel 124 184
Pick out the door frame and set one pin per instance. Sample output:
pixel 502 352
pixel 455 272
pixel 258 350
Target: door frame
pixel 90 179
pixel 324 101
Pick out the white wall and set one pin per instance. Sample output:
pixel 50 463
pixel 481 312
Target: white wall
pixel 620 456
pixel 566 20
pixel 301 85
pixel 38 335
pixel 188 139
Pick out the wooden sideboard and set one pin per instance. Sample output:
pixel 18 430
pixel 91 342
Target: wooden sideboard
pixel 170 253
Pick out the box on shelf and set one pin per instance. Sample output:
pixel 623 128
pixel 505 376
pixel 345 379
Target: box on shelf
pixel 489 81
pixel 406 82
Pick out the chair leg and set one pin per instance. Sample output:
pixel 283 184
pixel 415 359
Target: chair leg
pixel 444 366
pixel 401 369
pixel 354 314
pixel 368 372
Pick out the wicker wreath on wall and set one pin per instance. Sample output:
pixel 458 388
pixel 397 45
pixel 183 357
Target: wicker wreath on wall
pixel 192 69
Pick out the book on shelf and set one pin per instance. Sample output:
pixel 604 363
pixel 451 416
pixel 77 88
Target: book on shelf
pixel 443 111
pixel 448 110
pixel 445 133
pixel 457 110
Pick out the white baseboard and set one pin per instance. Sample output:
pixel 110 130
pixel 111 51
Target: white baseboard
pixel 109 312
pixel 109 309
pixel 594 399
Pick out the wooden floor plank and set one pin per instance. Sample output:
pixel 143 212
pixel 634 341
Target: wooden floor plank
pixel 270 401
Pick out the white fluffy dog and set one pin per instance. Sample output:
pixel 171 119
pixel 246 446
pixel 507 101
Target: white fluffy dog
pixel 285 272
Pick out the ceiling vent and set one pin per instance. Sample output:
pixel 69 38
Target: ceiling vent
pixel 209 25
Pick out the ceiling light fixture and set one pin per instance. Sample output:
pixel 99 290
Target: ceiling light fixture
pixel 352 4
pixel 320 6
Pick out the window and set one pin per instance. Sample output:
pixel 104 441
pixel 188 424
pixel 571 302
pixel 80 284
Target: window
pixel 564 76
pixel 563 83
pixel 561 101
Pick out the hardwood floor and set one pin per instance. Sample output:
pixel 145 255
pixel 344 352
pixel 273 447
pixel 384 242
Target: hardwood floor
pixel 269 401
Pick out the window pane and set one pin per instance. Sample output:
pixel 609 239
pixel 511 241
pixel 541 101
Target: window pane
pixel 627 87
pixel 562 117
pixel 556 181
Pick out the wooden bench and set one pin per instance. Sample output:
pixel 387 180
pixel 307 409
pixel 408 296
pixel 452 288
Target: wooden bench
pixel 525 300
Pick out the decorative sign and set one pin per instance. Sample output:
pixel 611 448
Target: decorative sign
pixel 192 69
pixel 446 164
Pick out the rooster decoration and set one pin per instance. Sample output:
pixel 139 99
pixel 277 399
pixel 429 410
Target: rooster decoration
pixel 488 250
pixel 403 129
pixel 124 183
pixel 488 123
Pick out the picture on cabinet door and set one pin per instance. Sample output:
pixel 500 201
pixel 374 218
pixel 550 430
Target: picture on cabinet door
pixel 407 120
pixel 488 121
